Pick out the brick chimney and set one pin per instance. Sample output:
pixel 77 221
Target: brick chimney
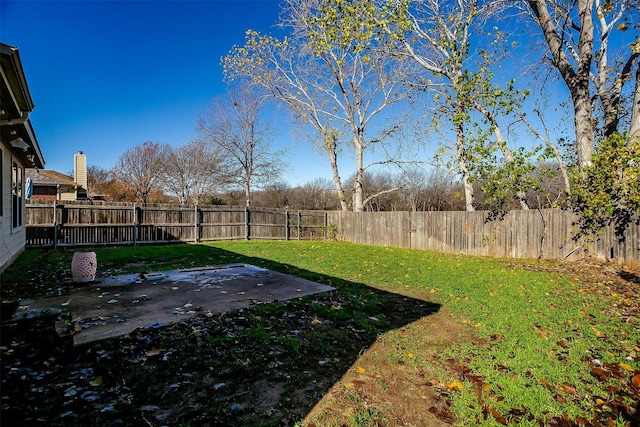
pixel 80 169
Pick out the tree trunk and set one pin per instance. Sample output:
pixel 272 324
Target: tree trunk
pixel 583 121
pixel 464 169
pixel 577 80
pixel 634 128
pixel 247 193
pixel 508 156
pixel 330 146
pixel 358 206
pixel 506 152
pixel 547 141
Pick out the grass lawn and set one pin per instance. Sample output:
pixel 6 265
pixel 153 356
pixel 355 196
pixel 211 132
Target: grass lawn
pixel 408 338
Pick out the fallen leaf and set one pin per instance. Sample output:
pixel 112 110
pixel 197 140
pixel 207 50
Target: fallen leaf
pixel 568 388
pixel 436 383
pixel 495 414
pixel 599 373
pixel 541 332
pixel 96 382
pixel 627 367
pixel 454 385
pixel 153 352
pixel 635 381
pixel 358 383
pixel 360 369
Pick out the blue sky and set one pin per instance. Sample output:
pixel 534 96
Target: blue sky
pixel 108 75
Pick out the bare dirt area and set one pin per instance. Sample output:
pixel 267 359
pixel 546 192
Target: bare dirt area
pixel 384 381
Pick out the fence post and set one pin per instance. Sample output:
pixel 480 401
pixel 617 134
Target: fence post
pixel 286 225
pixel 135 225
pixel 299 225
pixel 55 225
pixel 246 223
pixel 196 235
pixel 325 225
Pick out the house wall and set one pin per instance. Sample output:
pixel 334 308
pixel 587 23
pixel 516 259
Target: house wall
pixel 51 193
pixel 44 193
pixel 12 241
pixel 68 192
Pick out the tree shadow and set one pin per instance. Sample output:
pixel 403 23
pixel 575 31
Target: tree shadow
pixel 629 276
pixel 268 364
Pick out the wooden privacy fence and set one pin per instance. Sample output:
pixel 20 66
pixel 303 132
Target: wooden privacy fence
pixel 53 225
pixel 520 234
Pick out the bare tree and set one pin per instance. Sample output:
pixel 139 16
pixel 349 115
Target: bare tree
pixel 275 195
pixel 140 169
pixel 413 190
pixel 334 77
pixel 233 127
pixel 442 192
pixel 193 171
pixel 98 179
pixel 383 191
pixel 319 193
pixel 578 36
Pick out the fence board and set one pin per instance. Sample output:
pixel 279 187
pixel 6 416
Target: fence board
pixel 519 234
pixel 86 224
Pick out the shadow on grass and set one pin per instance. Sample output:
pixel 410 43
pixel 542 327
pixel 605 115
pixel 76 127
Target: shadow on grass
pixel 267 365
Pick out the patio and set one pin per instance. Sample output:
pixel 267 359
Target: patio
pixel 117 305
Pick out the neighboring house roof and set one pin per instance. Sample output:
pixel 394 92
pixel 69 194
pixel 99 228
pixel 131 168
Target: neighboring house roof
pixel 43 177
pixel 17 130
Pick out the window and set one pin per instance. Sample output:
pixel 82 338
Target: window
pixel 16 194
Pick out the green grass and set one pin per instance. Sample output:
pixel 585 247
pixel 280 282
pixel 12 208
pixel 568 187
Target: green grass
pixel 535 334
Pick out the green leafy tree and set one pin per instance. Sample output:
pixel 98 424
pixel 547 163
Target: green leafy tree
pixel 446 39
pixel 607 192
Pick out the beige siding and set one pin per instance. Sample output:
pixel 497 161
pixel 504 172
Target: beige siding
pixel 80 169
pixel 12 241
pixel 67 193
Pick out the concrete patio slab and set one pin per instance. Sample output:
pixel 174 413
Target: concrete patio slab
pixel 118 305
